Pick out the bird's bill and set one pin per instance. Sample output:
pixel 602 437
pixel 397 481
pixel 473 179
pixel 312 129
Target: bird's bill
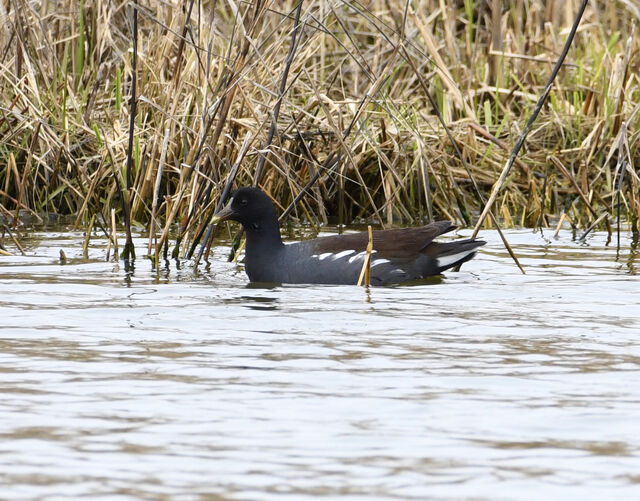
pixel 223 214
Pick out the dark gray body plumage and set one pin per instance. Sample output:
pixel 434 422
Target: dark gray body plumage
pixel 339 259
pixel 399 255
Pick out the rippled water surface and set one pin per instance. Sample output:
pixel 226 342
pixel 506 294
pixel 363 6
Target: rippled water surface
pixel 486 385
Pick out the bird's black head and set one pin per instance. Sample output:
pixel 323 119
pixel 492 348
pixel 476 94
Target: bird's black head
pixel 252 208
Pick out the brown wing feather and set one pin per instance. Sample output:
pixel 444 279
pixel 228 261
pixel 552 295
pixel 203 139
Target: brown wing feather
pixel 403 242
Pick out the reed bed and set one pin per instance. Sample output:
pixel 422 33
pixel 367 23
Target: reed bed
pixel 146 112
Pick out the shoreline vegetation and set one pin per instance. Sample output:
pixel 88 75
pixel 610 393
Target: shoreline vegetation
pixel 337 96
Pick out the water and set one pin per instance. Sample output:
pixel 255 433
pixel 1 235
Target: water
pixel 487 385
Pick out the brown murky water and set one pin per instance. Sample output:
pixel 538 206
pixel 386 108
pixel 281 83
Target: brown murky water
pixel 489 385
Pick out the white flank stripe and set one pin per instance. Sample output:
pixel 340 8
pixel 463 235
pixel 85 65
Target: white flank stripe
pixel 357 257
pixel 379 261
pixel 449 260
pixel 342 254
pixel 325 255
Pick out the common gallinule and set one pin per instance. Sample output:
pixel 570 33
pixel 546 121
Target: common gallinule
pixel 398 255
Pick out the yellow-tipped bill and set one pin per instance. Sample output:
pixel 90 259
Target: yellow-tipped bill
pixel 223 214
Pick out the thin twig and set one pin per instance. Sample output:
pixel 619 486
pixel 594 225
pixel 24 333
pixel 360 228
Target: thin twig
pixel 129 251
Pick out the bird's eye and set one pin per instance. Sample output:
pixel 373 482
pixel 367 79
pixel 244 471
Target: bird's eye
pixel 243 201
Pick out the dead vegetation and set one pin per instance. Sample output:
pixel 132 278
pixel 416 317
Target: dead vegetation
pixel 336 96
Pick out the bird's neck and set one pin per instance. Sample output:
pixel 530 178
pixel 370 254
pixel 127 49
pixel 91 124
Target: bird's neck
pixel 263 237
pixel 264 245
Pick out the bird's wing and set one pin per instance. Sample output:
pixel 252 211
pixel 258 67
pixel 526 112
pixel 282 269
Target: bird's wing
pixel 404 242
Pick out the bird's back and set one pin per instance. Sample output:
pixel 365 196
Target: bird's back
pixel 398 255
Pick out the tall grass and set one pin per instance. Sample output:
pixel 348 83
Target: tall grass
pixel 342 100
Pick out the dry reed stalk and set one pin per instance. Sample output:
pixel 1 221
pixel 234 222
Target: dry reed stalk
pixel 365 273
pixel 576 186
pixel 563 216
pixel 156 190
pixel 129 251
pixel 594 225
pixel 6 228
pixel 87 237
pixel 114 236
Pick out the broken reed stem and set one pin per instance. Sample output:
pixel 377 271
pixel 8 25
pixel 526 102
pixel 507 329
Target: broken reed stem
pixel 621 168
pixel 543 197
pixel 618 193
pixel 114 237
pixel 593 225
pixel 516 149
pixel 3 251
pixel 563 216
pixel 365 273
pixel 85 244
pixel 14 239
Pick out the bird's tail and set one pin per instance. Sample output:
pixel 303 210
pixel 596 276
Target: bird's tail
pixel 450 254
